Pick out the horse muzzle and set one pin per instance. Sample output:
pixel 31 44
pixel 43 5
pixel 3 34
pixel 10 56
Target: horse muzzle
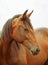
pixel 34 50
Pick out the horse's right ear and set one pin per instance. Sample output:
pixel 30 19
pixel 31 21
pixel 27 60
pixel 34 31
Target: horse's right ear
pixel 23 16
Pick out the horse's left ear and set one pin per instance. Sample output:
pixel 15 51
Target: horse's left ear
pixel 28 15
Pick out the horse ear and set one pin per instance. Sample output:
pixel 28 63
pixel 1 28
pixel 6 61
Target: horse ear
pixel 30 14
pixel 24 15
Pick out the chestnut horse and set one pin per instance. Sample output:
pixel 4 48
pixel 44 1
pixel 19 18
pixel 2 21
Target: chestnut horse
pixel 41 36
pixel 16 39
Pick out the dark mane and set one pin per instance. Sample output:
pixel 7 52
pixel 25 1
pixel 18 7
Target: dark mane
pixel 7 28
pixel 16 16
pixel 5 38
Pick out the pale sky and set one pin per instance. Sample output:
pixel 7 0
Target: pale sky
pixel 39 18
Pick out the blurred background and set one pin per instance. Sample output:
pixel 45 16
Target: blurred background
pixel 39 18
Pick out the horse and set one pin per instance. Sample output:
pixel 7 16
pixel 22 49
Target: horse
pixel 16 38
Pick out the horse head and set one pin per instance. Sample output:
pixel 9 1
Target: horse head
pixel 23 32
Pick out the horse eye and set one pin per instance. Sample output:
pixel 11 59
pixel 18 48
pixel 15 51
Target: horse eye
pixel 26 30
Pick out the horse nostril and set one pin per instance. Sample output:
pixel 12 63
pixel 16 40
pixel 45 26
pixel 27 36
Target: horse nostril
pixel 37 50
pixel 34 53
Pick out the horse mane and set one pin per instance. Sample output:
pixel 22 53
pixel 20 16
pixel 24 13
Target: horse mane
pixel 7 28
pixel 16 16
pixel 5 36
